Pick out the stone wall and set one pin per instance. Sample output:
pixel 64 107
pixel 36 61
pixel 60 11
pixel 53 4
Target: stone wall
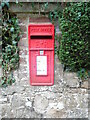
pixel 65 99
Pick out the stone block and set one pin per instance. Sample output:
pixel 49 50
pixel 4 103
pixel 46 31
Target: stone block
pixel 27 113
pixel 36 7
pixel 25 82
pixel 19 112
pixel 23 28
pixel 57 88
pixel 39 19
pixel 71 79
pixel 15 89
pixel 24 35
pixel 78 113
pixel 7 111
pixel 75 100
pixel 23 52
pixel 3 100
pixel 48 94
pixel 85 84
pixel 23 60
pixel 54 113
pixel 23 19
pixel 17 101
pixel 23 43
pixel 59 106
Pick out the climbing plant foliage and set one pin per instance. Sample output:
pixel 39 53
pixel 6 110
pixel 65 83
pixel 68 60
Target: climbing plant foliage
pixel 10 38
pixel 74 49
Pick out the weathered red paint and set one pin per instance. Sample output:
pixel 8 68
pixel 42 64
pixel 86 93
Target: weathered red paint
pixel 41 43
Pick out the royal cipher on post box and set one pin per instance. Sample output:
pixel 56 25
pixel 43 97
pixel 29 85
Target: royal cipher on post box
pixel 41 54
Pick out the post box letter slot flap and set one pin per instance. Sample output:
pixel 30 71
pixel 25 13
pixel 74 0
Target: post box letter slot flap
pixel 41 37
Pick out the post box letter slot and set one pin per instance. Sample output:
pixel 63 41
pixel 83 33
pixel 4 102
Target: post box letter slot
pixel 41 65
pixel 41 37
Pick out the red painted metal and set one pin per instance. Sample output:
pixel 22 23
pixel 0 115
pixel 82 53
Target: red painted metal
pixel 41 43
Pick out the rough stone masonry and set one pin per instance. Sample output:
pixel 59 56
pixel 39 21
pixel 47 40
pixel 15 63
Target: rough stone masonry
pixel 65 99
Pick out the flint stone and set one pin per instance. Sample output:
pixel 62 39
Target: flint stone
pixel 28 104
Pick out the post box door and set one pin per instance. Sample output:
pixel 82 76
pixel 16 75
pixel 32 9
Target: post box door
pixel 41 74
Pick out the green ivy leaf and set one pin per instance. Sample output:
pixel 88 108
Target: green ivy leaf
pixel 12 29
pixel 13 80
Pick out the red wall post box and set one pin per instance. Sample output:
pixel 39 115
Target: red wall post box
pixel 41 54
